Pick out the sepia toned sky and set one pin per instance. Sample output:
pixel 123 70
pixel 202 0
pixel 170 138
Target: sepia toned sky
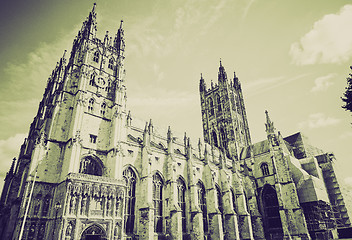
pixel 292 58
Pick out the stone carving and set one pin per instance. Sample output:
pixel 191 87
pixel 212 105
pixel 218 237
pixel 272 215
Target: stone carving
pixel 73 204
pixel 84 205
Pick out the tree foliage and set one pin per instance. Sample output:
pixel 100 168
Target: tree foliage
pixel 347 96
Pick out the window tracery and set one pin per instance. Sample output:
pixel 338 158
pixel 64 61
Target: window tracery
pixel 111 64
pixel 158 203
pixel 90 166
pixel 130 178
pixel 96 56
pixel 203 205
pixel 265 169
pixel 91 105
pixel 181 193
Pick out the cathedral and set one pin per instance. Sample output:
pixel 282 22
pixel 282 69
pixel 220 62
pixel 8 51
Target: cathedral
pixel 89 171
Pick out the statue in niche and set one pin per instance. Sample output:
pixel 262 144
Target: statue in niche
pixel 36 206
pixel 108 205
pixel 84 205
pixel 73 204
pixel 69 229
pixel 118 206
pixel 117 231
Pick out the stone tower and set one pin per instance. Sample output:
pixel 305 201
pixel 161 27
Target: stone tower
pixel 224 115
pixel 75 134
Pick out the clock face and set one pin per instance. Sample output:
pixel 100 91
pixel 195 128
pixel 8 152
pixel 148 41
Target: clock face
pixel 100 82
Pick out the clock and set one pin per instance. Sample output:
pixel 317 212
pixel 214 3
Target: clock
pixel 100 82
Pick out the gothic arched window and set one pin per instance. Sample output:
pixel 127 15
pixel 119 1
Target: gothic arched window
pixel 96 56
pixel 158 203
pixel 202 201
pixel 271 207
pixel 91 81
pixel 107 88
pixel 181 198
pixel 265 169
pixel 223 138
pixel 218 101
pixel 111 64
pixel 220 203
pixel 211 106
pixel 46 204
pixel 215 139
pixel 90 105
pixel 90 166
pixel 103 108
pixel 130 178
pixel 234 205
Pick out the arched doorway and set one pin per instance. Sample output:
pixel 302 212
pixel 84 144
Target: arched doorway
pixel 272 219
pixel 93 232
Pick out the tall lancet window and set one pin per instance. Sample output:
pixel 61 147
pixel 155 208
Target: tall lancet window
pixel 90 105
pixel 202 201
pixel 218 101
pixel 181 198
pixel 111 64
pixel 234 200
pixel 91 81
pixel 103 109
pixel 130 178
pixel 158 203
pixel 220 203
pixel 265 169
pixel 96 56
pixel 211 106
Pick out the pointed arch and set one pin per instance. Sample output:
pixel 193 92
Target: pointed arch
pixel 93 231
pixel 234 200
pixel 271 212
pixel 91 165
pixel 103 109
pixel 158 184
pixel 181 199
pixel 92 79
pixel 96 56
pixel 223 138
pixel 215 138
pixel 130 201
pixel 91 105
pixel 202 202
pixel 265 169
pixel 111 63
pixel 211 106
pixel 218 101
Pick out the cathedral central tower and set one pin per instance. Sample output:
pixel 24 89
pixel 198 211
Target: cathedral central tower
pixel 223 113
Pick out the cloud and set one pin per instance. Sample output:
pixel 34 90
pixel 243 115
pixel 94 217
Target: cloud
pixel 323 83
pixel 329 41
pixel 265 84
pixel 318 120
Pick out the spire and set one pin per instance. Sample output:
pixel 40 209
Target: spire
pixel 150 127
pixel 202 85
pixel 269 124
pixel 222 76
pixel 90 25
pixel 10 172
pixel 236 81
pixel 119 42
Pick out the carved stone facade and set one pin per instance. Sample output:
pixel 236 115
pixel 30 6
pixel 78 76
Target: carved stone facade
pixel 89 170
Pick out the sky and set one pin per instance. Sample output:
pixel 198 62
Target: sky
pixel 292 58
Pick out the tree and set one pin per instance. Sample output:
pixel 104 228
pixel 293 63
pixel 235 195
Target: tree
pixel 347 96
